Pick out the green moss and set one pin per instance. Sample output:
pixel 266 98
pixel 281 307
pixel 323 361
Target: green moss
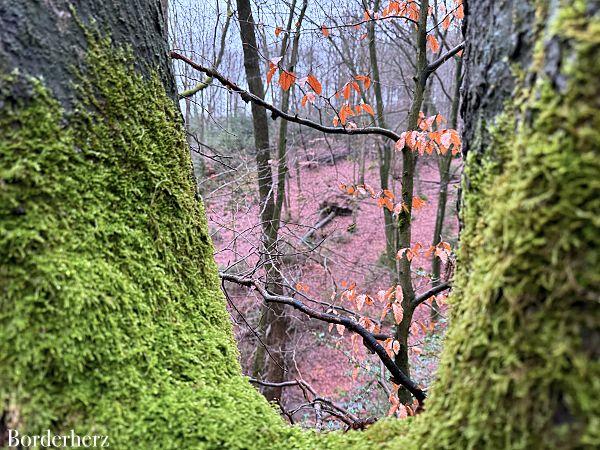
pixel 111 316
pixel 518 369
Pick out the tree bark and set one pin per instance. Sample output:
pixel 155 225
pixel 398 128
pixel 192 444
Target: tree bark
pixel 384 149
pixel 520 355
pixel 43 39
pixel 274 323
pixel 404 230
pixel 111 317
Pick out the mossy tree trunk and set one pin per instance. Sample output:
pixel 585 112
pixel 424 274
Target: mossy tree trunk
pixel 111 317
pixel 42 40
pixel 520 364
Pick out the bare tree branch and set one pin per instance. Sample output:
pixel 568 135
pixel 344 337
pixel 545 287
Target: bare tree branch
pixel 428 294
pixel 434 65
pixel 276 112
pixel 369 339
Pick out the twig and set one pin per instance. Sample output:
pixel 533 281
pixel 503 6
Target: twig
pixel 433 66
pixel 431 292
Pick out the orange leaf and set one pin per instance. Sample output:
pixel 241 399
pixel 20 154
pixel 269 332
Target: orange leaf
pixel 411 139
pixel 314 84
pixel 270 73
pixel 460 12
pixel 400 143
pixel 287 80
pixel 385 201
pixel 365 80
pixel 398 312
pixel 278 31
pixel 418 203
pixel 433 43
pixel 301 287
pixel 325 31
pixel 360 301
pixel 309 97
pixel 399 294
pixel 446 22
pixel 346 91
pixel 446 139
pixel 345 112
pixel 368 109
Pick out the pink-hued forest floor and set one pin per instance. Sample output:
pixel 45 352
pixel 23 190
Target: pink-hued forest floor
pixel 343 255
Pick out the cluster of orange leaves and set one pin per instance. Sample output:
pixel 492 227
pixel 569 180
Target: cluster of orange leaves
pixel 428 140
pixel 287 79
pixel 391 299
pixel 348 110
pixel 441 250
pixel 385 198
pixel 408 9
pixel 302 287
pixel 401 410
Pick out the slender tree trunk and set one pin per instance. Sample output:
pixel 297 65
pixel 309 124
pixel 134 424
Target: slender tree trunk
pixel 444 163
pixel 384 149
pixel 403 238
pixel 273 322
pixel 285 106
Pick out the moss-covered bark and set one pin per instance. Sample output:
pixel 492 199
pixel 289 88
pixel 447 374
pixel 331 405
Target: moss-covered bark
pixel 111 318
pixel 111 315
pixel 520 365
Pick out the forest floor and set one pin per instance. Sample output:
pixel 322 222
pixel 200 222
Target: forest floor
pixel 347 250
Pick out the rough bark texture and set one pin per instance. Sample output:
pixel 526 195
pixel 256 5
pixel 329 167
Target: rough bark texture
pixel 404 229
pixel 43 39
pixel 498 34
pixel 112 322
pixel 111 317
pixel 519 369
